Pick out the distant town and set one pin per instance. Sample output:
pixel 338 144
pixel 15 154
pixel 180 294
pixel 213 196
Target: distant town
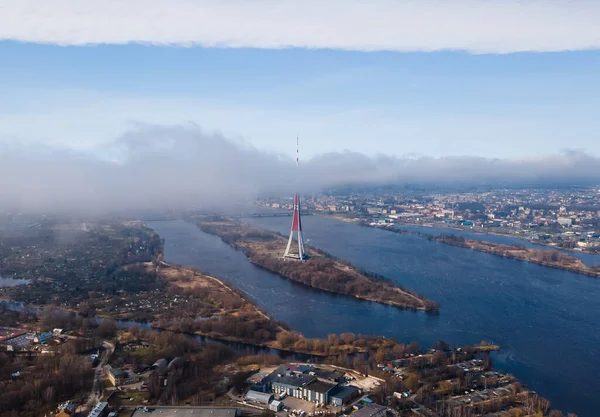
pixel 562 218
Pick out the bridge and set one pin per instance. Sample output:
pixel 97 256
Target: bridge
pixel 283 214
pixel 233 216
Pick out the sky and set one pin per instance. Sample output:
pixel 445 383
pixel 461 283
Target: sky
pixel 370 88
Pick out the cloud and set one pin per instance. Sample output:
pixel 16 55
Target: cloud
pixel 173 167
pixel 478 26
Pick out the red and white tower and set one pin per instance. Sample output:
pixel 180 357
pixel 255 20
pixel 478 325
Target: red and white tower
pixel 296 228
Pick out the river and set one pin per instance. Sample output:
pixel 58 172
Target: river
pixel 588 259
pixel 547 321
pixel 12 282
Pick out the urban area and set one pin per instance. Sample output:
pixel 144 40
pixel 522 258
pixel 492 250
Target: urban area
pixel 566 218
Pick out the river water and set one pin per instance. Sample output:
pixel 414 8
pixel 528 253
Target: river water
pixel 547 321
pixel 589 259
pixel 12 282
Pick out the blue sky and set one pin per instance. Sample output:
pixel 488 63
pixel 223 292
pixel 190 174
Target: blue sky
pixel 425 103
pixel 111 102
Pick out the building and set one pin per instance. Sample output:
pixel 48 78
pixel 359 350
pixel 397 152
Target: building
pixel 306 382
pixel 370 410
pixel 65 409
pixel 186 411
pixel 20 341
pixel 276 406
pixel 328 376
pixel 292 384
pixel 42 337
pixel 343 395
pixel 257 397
pixel 317 392
pixel 564 221
pixel 115 375
pixel 160 364
pixel 100 410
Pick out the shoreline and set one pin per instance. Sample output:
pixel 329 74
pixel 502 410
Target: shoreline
pixel 320 271
pixel 498 249
pixel 358 220
pixel 525 255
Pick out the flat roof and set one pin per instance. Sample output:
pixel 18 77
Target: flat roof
pixel 294 381
pixel 343 392
pixel 369 410
pixel 154 411
pixel 98 409
pixel 333 375
pixel 320 387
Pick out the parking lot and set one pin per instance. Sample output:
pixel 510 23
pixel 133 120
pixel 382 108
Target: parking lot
pixel 310 408
pixel 298 404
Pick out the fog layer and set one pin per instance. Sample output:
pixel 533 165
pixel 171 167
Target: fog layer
pixel 173 167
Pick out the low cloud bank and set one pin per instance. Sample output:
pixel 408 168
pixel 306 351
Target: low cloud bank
pixel 478 26
pixel 173 167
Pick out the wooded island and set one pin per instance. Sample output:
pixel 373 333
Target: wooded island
pixel 321 271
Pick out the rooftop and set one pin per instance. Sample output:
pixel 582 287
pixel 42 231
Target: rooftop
pixel 320 387
pixel 98 409
pixel 331 375
pixel 343 392
pixel 294 381
pixel 369 410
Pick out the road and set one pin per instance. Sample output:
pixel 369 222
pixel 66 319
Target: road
pixel 97 388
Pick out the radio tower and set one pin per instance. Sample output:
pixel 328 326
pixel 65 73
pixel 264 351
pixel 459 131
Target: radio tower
pixel 296 227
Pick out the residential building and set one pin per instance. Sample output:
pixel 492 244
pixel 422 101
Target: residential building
pixel 100 410
pixel 114 375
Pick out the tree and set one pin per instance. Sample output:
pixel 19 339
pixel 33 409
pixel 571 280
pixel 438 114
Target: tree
pixel 380 356
pixel 440 345
pixel 107 329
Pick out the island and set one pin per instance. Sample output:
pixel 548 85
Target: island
pixel 321 270
pixel 550 258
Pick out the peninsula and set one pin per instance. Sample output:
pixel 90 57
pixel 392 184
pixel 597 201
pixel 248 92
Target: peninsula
pixel 550 258
pixel 321 271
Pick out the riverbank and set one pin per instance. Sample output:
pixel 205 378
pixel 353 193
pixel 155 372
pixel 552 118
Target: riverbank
pixel 546 257
pixel 481 231
pixel 203 305
pixel 552 259
pixel 320 271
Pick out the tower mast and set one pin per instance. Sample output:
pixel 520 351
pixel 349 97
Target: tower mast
pixel 296 224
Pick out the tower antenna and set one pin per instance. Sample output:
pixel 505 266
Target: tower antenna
pixel 296 222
